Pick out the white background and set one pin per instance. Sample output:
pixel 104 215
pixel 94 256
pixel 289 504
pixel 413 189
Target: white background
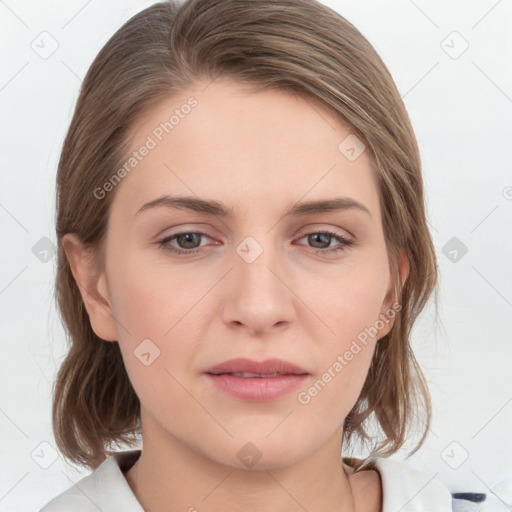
pixel 461 110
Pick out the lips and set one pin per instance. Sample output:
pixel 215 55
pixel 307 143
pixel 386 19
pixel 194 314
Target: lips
pixel 248 368
pixel 254 381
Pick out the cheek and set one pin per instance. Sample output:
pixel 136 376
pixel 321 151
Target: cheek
pixel 350 299
pixel 152 300
pixel 158 315
pixel 347 308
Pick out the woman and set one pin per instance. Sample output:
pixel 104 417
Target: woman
pixel 243 251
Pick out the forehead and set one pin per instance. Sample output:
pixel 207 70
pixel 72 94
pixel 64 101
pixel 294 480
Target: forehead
pixel 222 141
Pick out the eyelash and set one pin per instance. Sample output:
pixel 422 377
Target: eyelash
pixel 345 242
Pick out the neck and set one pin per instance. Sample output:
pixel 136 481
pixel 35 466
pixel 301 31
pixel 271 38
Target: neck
pixel 176 478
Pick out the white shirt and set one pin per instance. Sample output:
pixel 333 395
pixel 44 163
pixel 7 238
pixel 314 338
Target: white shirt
pixel 106 489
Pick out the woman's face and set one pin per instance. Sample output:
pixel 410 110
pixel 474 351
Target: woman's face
pixel 261 283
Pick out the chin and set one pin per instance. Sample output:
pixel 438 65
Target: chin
pixel 257 453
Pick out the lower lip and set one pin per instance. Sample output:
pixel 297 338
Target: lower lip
pixel 254 389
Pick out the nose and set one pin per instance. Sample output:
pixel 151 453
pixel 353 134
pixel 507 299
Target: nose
pixel 259 297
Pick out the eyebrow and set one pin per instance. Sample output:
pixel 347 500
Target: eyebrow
pixel 216 208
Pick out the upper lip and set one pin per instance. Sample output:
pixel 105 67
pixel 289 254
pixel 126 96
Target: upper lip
pixel 267 367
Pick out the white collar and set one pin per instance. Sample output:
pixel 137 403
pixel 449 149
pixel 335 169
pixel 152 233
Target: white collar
pixel 407 490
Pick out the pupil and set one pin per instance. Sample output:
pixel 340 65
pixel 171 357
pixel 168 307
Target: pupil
pixel 318 235
pixel 188 239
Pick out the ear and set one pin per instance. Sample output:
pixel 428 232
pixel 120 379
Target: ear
pixel 92 286
pixel 390 306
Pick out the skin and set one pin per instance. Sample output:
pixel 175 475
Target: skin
pixel 259 154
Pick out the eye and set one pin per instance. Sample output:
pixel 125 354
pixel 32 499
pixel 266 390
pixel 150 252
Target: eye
pixel 188 241
pixel 325 238
pixel 186 238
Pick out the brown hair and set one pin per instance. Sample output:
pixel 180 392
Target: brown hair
pixel 300 46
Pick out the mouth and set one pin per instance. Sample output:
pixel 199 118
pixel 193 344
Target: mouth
pixel 248 375
pixel 255 381
pixel 248 368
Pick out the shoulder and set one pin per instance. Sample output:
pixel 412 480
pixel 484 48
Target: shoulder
pixel 105 489
pixel 410 490
pixel 407 489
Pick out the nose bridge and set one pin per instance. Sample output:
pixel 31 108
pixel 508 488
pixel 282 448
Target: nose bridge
pixel 259 260
pixel 259 297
